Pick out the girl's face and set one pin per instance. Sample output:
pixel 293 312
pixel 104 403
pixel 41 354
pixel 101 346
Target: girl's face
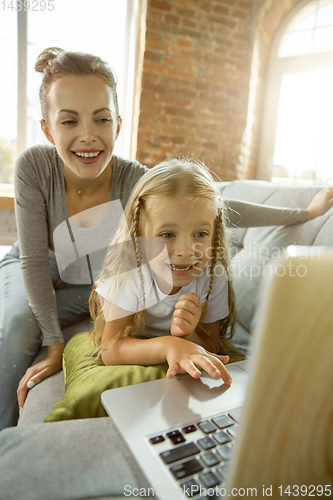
pixel 82 123
pixel 187 228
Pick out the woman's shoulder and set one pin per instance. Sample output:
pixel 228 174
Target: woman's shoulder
pixel 38 156
pixel 128 169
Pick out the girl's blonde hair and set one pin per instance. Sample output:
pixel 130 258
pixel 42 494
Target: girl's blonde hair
pixel 193 180
pixel 55 63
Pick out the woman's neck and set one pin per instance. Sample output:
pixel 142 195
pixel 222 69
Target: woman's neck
pixel 82 194
pixel 87 187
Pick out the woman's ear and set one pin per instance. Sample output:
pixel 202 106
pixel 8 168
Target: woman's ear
pixel 46 131
pixel 120 122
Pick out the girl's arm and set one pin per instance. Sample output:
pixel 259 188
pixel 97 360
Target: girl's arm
pixel 181 355
pixel 185 323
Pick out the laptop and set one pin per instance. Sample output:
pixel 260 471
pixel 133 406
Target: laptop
pixel 270 433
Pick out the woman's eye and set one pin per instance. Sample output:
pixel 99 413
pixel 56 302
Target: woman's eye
pixel 104 120
pixel 68 122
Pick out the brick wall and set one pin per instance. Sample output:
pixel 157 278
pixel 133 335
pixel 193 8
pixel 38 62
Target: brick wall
pixel 196 72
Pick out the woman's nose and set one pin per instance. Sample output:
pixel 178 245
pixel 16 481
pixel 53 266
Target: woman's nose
pixel 87 132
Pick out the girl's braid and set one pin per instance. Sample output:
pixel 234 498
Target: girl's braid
pixel 216 247
pixel 136 242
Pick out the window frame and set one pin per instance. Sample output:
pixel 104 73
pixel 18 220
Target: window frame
pixel 133 10
pixel 277 67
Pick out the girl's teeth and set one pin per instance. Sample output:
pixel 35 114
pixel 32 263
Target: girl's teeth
pixel 87 155
pixel 175 268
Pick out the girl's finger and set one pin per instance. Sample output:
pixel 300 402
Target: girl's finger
pixel 214 367
pixel 174 368
pixel 190 368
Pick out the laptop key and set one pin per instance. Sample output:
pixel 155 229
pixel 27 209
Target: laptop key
pixel 189 428
pixel 156 439
pixel 223 471
pixel 176 437
pixel 186 468
pixel 222 437
pixel 206 443
pixel 190 487
pixel 179 453
pixel 214 496
pixel 207 427
pixel 233 431
pixel 222 421
pixel 236 414
pixel 209 479
pixel 225 452
pixel 210 459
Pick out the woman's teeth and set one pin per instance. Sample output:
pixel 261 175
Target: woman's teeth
pixel 175 268
pixel 88 155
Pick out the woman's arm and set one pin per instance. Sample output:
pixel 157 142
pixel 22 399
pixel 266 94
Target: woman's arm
pixel 36 373
pixel 246 214
pixel 34 172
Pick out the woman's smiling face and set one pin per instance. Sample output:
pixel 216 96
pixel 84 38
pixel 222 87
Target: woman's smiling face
pixel 82 123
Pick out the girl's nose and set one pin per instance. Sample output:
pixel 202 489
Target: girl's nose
pixel 184 247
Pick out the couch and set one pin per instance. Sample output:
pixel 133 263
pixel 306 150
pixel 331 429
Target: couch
pixel 81 459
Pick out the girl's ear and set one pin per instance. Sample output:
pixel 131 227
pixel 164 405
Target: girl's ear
pixel 46 132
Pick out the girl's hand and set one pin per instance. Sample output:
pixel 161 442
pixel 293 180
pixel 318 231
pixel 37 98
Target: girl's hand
pixel 186 315
pixel 36 373
pixel 184 356
pixel 320 203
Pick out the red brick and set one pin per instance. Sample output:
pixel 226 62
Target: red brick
pixel 224 11
pixel 160 5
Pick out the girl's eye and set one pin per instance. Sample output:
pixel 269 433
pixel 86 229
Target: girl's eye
pixel 68 122
pixel 167 235
pixel 201 234
pixel 104 120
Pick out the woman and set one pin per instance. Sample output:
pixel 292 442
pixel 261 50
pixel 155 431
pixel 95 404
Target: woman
pixel 81 119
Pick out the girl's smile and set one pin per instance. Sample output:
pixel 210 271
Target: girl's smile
pixel 187 230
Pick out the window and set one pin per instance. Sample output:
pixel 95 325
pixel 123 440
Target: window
pixel 296 141
pixel 106 28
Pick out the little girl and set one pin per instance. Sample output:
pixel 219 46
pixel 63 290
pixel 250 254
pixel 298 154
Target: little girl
pixel 179 296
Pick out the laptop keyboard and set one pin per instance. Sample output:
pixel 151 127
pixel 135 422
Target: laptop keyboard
pixel 198 454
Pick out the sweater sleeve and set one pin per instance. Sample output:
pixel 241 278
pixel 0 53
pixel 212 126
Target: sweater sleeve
pixel 246 214
pixel 32 225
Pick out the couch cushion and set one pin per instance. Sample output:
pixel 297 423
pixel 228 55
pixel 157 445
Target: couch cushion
pixel 254 248
pixel 82 459
pixel 86 378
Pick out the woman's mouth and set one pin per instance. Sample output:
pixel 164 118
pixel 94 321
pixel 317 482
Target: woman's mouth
pixel 87 157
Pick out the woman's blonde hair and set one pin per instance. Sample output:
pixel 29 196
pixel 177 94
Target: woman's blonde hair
pixel 193 180
pixel 56 63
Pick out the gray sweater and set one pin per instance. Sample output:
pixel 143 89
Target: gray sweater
pixel 40 207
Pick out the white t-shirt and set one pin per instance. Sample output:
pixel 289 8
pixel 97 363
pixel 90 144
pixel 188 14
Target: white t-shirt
pixel 160 307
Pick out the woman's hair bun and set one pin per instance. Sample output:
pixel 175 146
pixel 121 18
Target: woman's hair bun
pixel 44 59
